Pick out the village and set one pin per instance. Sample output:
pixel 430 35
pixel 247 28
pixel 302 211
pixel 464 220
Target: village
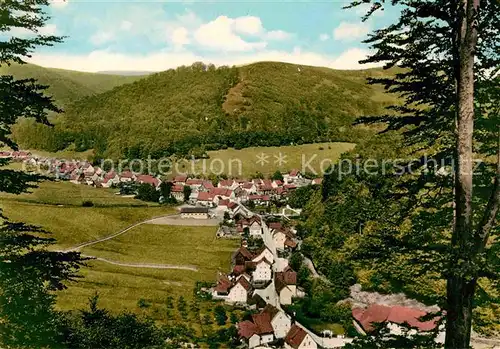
pixel 260 279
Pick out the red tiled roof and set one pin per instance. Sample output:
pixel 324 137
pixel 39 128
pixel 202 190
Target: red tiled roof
pixel 221 192
pixel 275 225
pixel 244 282
pixel 272 311
pixel 148 179
pixel 205 196
pixel 247 185
pixel 194 181
pixel 127 174
pixel 208 184
pixel 247 329
pixel 278 182
pixel 244 252
pixel 177 189
pixel 288 277
pixel 263 322
pixel 226 183
pixel 295 336
pixel 224 202
pixel 294 173
pixel 376 313
pixel 223 284
pixel 232 205
pixel 268 183
pixel 317 180
pixel 180 178
pixel 238 269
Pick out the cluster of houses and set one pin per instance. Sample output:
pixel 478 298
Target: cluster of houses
pixel 225 194
pixel 263 281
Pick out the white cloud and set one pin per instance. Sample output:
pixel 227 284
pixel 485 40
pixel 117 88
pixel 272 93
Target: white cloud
pixel 126 25
pixel 180 37
pixel 58 3
pixel 106 60
pixel 350 31
pixel 324 37
pixel 219 34
pixel 278 35
pixel 249 25
pixel 102 37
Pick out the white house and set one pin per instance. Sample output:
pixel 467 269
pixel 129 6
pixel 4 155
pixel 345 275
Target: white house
pixel 298 338
pixel 292 177
pixel 279 238
pixel 262 272
pixel 280 321
pixel 286 286
pixel 177 192
pixel 264 252
pixel 239 292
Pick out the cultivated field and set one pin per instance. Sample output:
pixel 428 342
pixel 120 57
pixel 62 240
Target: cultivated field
pixel 244 163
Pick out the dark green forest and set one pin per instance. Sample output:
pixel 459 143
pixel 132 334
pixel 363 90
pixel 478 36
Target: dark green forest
pixel 189 110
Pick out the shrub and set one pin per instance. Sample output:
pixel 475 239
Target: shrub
pixel 87 203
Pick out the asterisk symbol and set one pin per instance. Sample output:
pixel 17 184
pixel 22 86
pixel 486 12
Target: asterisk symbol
pixel 280 159
pixel 262 159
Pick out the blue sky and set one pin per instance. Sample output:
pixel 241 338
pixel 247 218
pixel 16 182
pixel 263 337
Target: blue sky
pixel 158 35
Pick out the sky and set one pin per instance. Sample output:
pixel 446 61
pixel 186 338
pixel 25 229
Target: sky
pixel 159 35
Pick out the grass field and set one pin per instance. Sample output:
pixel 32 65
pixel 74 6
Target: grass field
pixel 164 244
pixel 57 207
pixel 120 288
pixel 70 194
pixel 244 163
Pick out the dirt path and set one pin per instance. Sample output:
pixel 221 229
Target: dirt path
pixel 145 265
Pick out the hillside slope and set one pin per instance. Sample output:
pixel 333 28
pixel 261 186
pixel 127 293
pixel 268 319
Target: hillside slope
pixel 193 109
pixel 67 86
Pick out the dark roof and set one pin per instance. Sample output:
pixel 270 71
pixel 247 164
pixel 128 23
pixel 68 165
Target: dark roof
pixel 194 210
pixel 295 336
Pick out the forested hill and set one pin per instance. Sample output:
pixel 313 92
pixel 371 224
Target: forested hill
pixel 67 86
pixel 197 108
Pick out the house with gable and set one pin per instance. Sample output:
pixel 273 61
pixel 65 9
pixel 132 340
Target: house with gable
pixel 206 199
pixel 177 192
pixel 365 319
pixel 292 177
pixel 298 338
pixel 180 180
pixel 262 271
pixel 286 286
pixel 194 183
pixel 262 253
pixel 206 186
pixel 148 179
pixel 241 255
pixel 282 238
pixel 228 184
pixel 258 332
pixel 127 177
pixel 280 321
pixel 239 291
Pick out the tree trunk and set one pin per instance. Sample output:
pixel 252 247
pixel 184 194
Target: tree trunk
pixel 461 283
